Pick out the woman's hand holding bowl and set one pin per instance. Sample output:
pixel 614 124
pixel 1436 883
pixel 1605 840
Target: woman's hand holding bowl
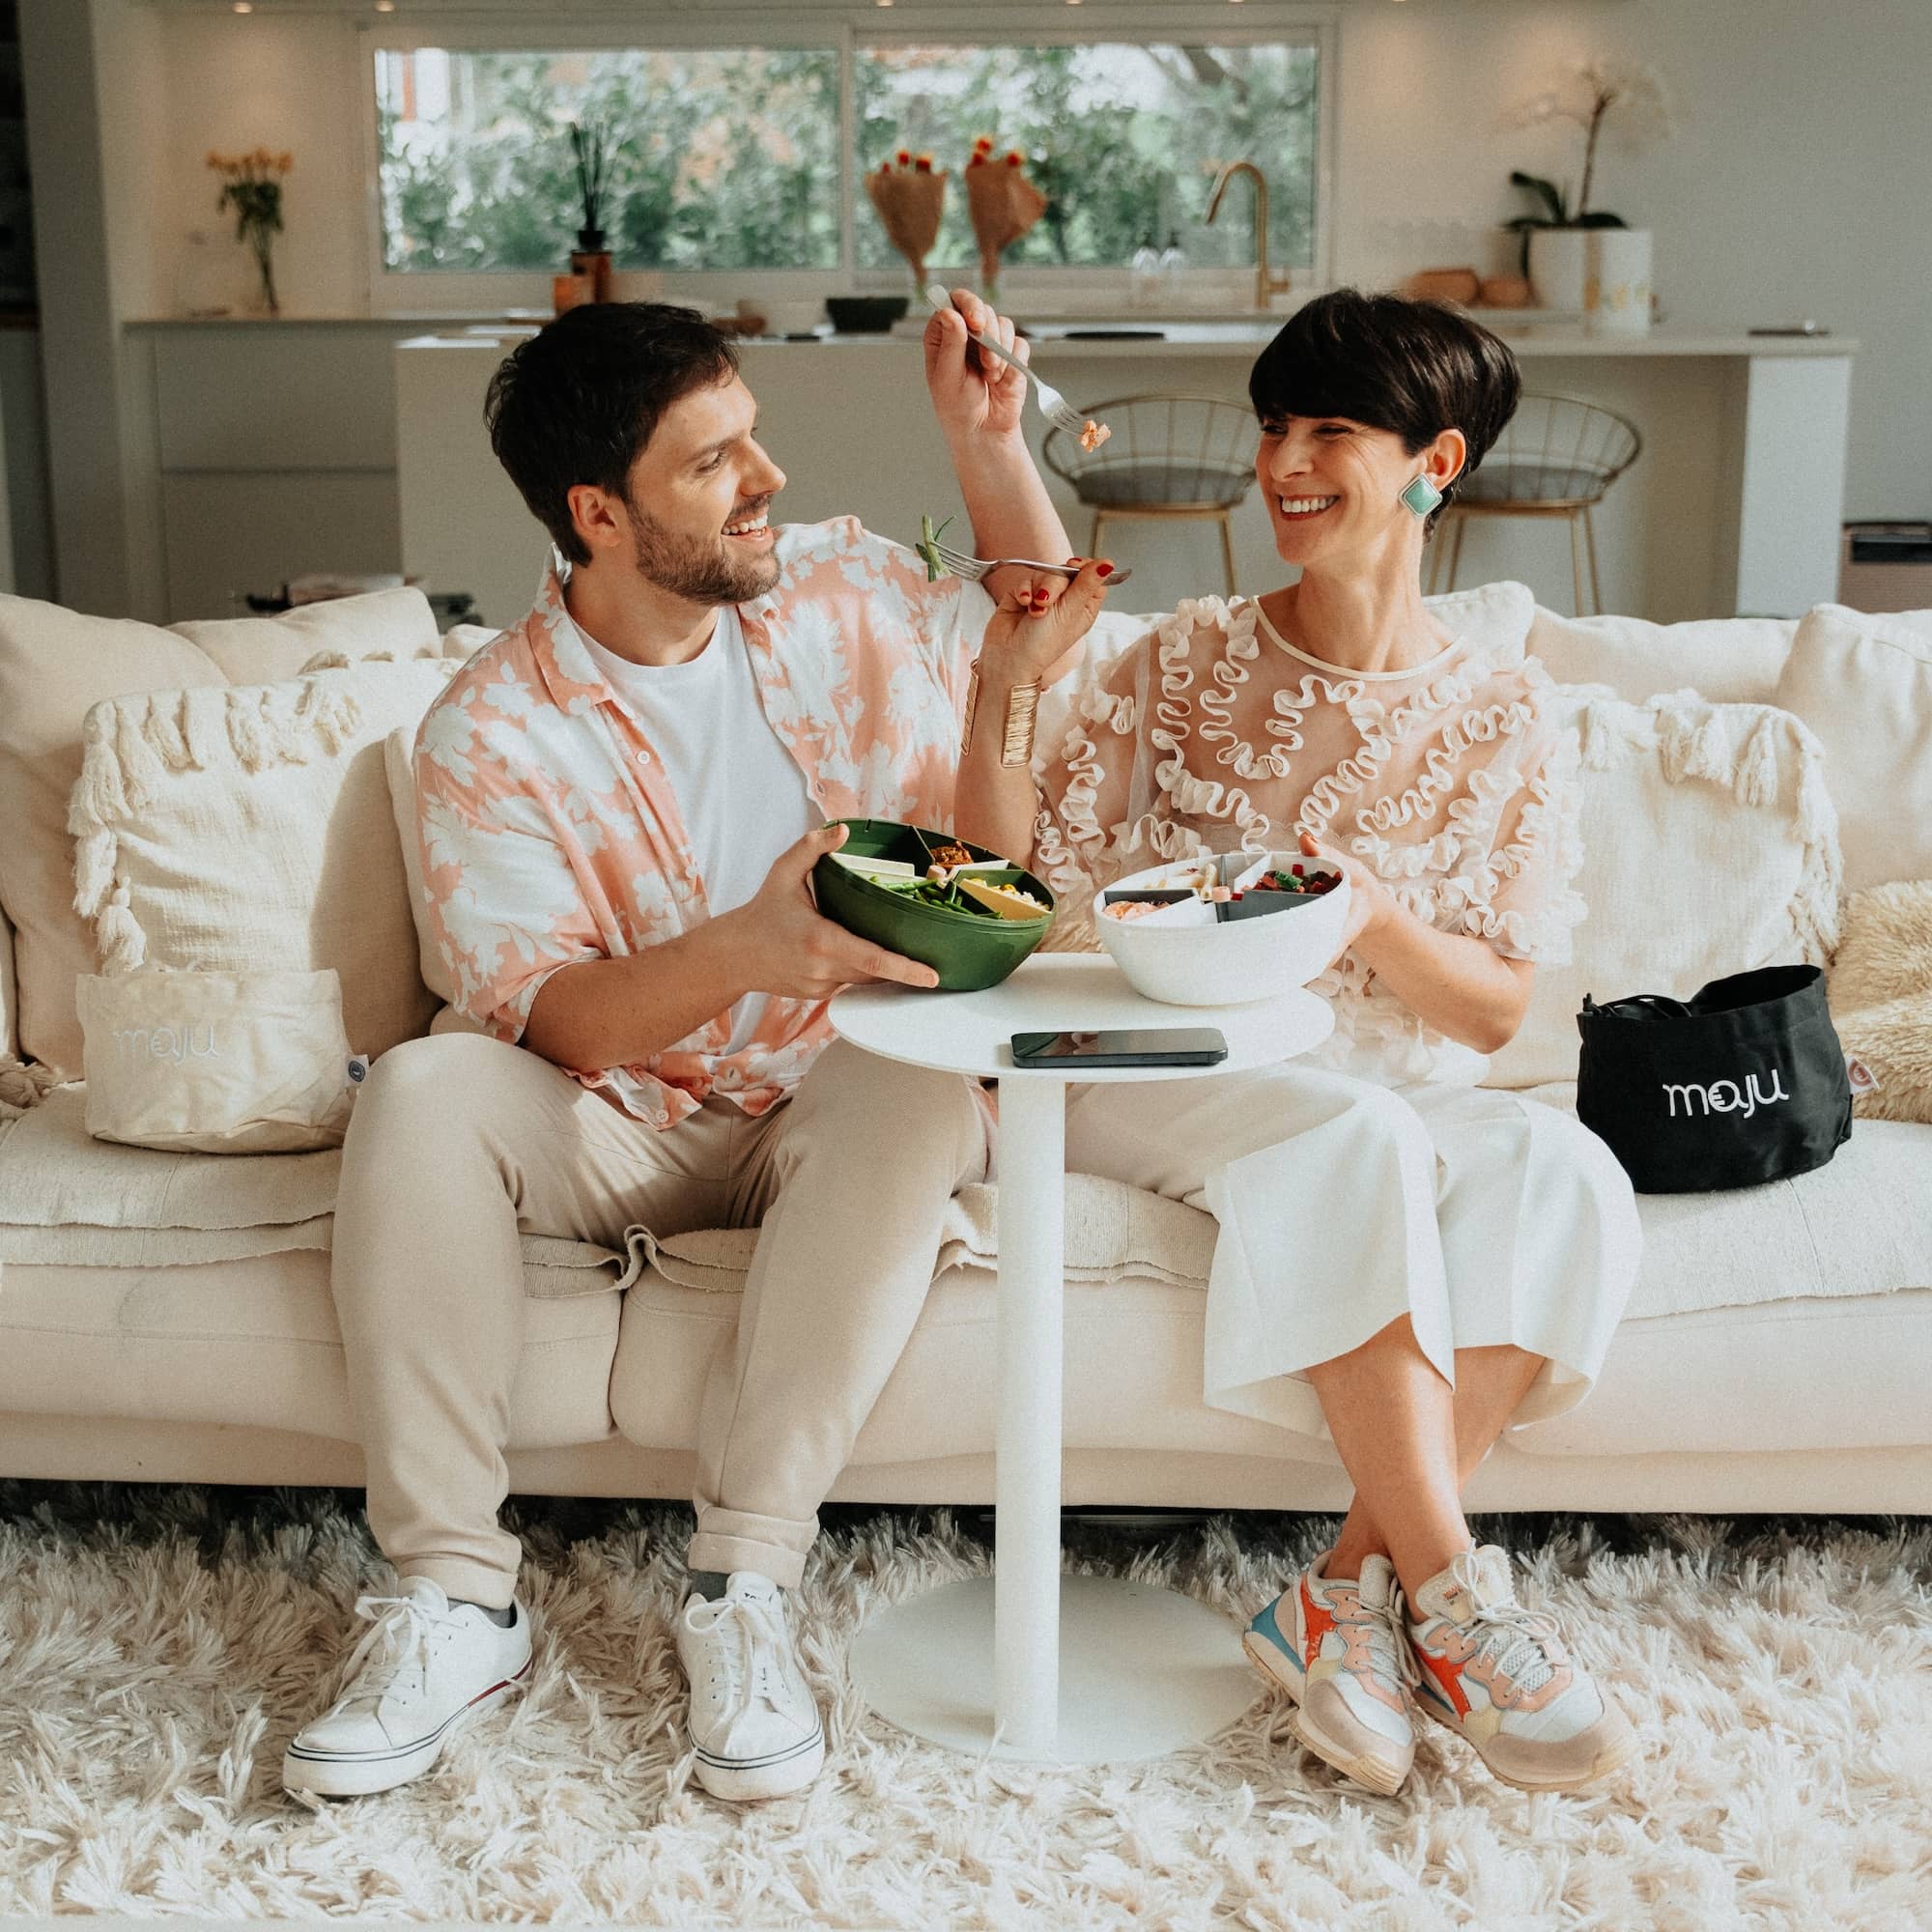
pixel 1371 903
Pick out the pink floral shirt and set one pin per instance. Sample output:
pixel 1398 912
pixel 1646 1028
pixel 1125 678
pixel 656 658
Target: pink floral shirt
pixel 550 836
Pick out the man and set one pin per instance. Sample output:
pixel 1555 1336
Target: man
pixel 621 804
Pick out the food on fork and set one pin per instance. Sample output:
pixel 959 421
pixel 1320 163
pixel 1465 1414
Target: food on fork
pixel 1093 435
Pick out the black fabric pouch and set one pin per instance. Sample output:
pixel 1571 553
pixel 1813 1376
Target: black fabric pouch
pixel 1742 1084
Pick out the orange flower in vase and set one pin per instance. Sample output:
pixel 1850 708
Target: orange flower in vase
pixel 251 185
pixel 1002 203
pixel 910 197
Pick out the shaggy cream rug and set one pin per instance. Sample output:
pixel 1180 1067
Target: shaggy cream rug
pixel 159 1646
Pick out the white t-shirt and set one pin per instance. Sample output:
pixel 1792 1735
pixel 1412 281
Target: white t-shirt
pixel 741 793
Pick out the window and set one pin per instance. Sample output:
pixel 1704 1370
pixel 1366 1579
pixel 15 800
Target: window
pixel 739 159
pixel 718 160
pixel 1123 140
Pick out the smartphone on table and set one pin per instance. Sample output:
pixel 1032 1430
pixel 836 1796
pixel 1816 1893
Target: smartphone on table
pixel 1131 1046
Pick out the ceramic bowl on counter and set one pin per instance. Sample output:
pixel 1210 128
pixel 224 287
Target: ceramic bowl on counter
pixel 1191 953
pixel 866 315
pixel 970 945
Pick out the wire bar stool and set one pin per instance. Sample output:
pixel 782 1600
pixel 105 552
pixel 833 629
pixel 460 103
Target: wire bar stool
pixel 1169 457
pixel 1557 457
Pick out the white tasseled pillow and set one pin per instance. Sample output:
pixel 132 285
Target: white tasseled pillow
pixel 1709 847
pixel 1864 684
pixel 248 828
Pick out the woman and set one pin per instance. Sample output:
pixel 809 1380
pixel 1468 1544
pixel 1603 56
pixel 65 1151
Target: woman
pixel 1408 1262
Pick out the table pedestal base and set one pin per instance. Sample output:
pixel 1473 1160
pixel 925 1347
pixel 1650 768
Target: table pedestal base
pixel 1143 1671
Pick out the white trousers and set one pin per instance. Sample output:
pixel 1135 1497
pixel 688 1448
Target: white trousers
pixel 1483 1217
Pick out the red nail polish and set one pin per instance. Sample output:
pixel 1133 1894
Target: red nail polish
pixel 1106 570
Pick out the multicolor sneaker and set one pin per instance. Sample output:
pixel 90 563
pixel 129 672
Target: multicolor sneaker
pixel 1340 1651
pixel 1498 1675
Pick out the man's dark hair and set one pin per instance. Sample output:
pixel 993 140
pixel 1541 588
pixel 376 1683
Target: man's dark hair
pixel 1415 368
pixel 578 401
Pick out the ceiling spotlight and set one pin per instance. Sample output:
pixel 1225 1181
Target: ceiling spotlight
pixel 385 6
pixel 245 6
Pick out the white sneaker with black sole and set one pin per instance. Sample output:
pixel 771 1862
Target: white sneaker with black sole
pixel 421 1671
pixel 755 1725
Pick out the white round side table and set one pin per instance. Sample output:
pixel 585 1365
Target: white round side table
pixel 978 1666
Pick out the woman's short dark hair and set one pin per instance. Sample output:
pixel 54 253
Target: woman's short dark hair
pixel 578 401
pixel 1416 368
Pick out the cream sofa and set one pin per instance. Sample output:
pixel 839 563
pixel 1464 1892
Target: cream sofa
pixel 167 1316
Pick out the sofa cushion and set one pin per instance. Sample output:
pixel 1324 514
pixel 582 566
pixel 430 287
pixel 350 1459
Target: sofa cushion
pixel 1864 684
pixel 224 1062
pixel 1727 660
pixel 264 651
pixel 249 1342
pixel 1709 848
pixel 55 666
pixel 248 828
pixel 69 1201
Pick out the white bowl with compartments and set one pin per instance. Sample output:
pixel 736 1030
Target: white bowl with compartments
pixel 1186 955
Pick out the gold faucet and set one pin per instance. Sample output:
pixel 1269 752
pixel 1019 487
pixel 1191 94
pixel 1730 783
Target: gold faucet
pixel 1265 284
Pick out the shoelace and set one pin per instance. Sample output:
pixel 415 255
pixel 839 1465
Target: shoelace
pixel 748 1624
pixel 398 1641
pixel 1516 1641
pixel 1388 1639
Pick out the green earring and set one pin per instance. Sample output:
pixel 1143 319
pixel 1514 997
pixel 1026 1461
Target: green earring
pixel 1422 495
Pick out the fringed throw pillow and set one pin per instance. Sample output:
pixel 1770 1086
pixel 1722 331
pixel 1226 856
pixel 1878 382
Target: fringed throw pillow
pixel 248 828
pixel 1709 847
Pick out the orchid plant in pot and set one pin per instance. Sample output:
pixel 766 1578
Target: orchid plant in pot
pixel 1560 242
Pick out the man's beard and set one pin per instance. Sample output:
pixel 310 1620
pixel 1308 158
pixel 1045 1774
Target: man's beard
pixel 699 572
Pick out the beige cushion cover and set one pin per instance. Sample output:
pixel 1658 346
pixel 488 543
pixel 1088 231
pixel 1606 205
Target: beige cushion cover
pixel 221 1063
pixel 1864 683
pixel 255 1341
pixel 248 829
pixel 1881 994
pixel 1727 660
pixel 264 651
pixel 55 666
pixel 1709 848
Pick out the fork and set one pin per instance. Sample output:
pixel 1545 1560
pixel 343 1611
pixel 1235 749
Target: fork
pixel 1053 405
pixel 973 568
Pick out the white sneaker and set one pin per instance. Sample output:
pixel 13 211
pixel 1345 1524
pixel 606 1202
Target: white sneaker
pixel 754 1724
pixel 1499 1675
pixel 415 1677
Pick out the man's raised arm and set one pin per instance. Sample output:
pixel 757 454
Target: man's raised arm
pixel 980 404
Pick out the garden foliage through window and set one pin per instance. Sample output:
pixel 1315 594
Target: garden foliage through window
pixel 729 159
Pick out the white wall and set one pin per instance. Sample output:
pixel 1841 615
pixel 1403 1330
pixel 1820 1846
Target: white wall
pixel 1797 183
pixel 292 83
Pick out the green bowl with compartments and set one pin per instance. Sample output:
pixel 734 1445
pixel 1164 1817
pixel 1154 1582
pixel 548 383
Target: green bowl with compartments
pixel 968 949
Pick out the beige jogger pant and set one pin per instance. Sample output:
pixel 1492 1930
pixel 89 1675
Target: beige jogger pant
pixel 459 1143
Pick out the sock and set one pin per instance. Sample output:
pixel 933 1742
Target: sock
pixel 710 1584
pixel 502 1618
